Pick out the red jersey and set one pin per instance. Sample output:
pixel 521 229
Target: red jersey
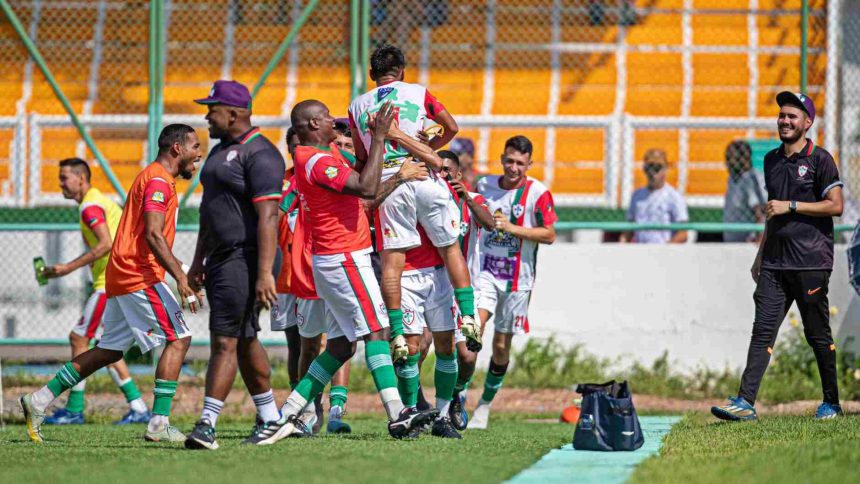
pixel 132 265
pixel 285 233
pixel 336 221
pixel 302 277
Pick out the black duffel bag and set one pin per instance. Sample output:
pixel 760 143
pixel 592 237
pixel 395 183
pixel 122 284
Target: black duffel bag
pixel 607 418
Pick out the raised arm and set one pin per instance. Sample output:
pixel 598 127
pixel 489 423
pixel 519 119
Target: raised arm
pixel 365 184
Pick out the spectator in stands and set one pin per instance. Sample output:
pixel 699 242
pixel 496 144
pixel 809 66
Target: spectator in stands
pixel 465 149
pixel 745 194
pixel 657 203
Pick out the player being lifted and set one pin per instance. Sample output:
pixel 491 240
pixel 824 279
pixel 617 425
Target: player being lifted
pixel 330 192
pixel 99 218
pixel 427 203
pixel 140 306
pixel 524 216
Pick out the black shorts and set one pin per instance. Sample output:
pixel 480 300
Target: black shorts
pixel 230 290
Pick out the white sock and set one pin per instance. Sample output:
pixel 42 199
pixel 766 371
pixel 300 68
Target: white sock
pixel 335 413
pixel 42 398
pixel 443 406
pixel 392 403
pixel 266 407
pixel 115 377
pixel 81 385
pixel 294 405
pixel 138 405
pixel 158 422
pixel 211 409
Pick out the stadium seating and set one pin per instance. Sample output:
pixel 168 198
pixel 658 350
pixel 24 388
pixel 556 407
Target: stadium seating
pixel 521 73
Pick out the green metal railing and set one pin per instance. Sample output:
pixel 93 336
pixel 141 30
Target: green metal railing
pixel 804 40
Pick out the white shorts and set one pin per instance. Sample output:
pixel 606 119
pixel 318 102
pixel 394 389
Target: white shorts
pixel 426 298
pixel 349 288
pixel 314 319
pixel 426 202
pixel 149 316
pixel 283 314
pixel 510 310
pixel 90 322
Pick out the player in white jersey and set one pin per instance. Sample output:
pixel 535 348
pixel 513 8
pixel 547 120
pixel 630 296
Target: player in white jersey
pixel 474 219
pixel 524 216
pixel 427 203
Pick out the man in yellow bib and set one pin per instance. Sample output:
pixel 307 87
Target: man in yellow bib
pixel 99 218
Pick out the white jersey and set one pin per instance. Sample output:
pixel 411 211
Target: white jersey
pixel 510 260
pixel 413 104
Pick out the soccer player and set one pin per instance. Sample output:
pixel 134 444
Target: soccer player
pixel 242 183
pixel 795 256
pixel 524 216
pixel 330 194
pixel 140 306
pixel 426 202
pixel 99 218
pixel 474 216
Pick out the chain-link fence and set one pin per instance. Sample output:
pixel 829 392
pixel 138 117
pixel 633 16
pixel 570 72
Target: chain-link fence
pixel 595 84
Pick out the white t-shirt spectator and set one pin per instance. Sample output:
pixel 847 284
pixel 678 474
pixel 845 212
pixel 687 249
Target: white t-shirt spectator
pixel 661 206
pixel 743 194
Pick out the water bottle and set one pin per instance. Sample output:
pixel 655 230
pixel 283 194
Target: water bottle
pixel 39 266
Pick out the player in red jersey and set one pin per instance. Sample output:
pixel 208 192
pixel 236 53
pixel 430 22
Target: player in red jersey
pixel 330 192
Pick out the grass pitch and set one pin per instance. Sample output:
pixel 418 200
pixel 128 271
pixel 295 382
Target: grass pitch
pixel 107 453
pixel 791 449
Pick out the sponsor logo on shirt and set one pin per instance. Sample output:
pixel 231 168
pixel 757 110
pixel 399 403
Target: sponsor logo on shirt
pixel 501 268
pixel 93 220
pixel 801 170
pixel 286 186
pixel 331 172
pixel 232 155
pixel 158 196
pixel 383 92
pixel 503 240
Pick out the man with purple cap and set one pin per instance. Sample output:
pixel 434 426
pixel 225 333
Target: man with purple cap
pixel 795 256
pixel 242 181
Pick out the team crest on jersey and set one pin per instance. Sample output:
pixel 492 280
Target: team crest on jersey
pixel 383 92
pixel 158 196
pixel 464 228
pixel 518 210
pixel 381 308
pixel 388 233
pixel 408 316
pixel 232 155
pixel 801 170
pixel 300 320
pixel 181 319
pixel 331 172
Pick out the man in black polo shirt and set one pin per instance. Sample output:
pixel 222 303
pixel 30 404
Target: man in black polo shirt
pixel 795 256
pixel 242 181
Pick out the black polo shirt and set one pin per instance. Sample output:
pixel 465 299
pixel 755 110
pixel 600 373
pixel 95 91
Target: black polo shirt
pixel 795 241
pixel 237 173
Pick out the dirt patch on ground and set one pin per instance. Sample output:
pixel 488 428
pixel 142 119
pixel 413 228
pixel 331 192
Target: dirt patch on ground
pixel 189 401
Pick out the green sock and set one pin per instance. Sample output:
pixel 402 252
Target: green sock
pixel 129 389
pixel 164 392
pixel 495 376
pixel 465 297
pixel 66 378
pixel 76 401
pixel 337 396
pixel 445 376
pixel 318 376
pixel 408 380
pixel 395 322
pixel 462 384
pixel 378 357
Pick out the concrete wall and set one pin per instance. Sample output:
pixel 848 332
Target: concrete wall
pixel 693 300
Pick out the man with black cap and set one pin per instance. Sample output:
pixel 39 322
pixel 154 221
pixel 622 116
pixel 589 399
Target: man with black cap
pixel 795 256
pixel 242 182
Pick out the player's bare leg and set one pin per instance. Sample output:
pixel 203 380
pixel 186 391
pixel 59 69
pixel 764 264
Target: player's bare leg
pixel 458 273
pixel 294 350
pixel 393 262
pixel 424 349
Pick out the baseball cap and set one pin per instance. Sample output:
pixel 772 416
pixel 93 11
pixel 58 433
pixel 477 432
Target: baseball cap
pixel 797 99
pixel 463 145
pixel 231 93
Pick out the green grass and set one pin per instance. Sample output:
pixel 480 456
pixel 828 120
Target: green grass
pixel 119 454
pixel 775 449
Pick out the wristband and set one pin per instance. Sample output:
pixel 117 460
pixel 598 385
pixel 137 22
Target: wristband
pixel 792 206
pixel 185 268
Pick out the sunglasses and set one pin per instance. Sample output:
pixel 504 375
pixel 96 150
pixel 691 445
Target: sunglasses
pixel 653 168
